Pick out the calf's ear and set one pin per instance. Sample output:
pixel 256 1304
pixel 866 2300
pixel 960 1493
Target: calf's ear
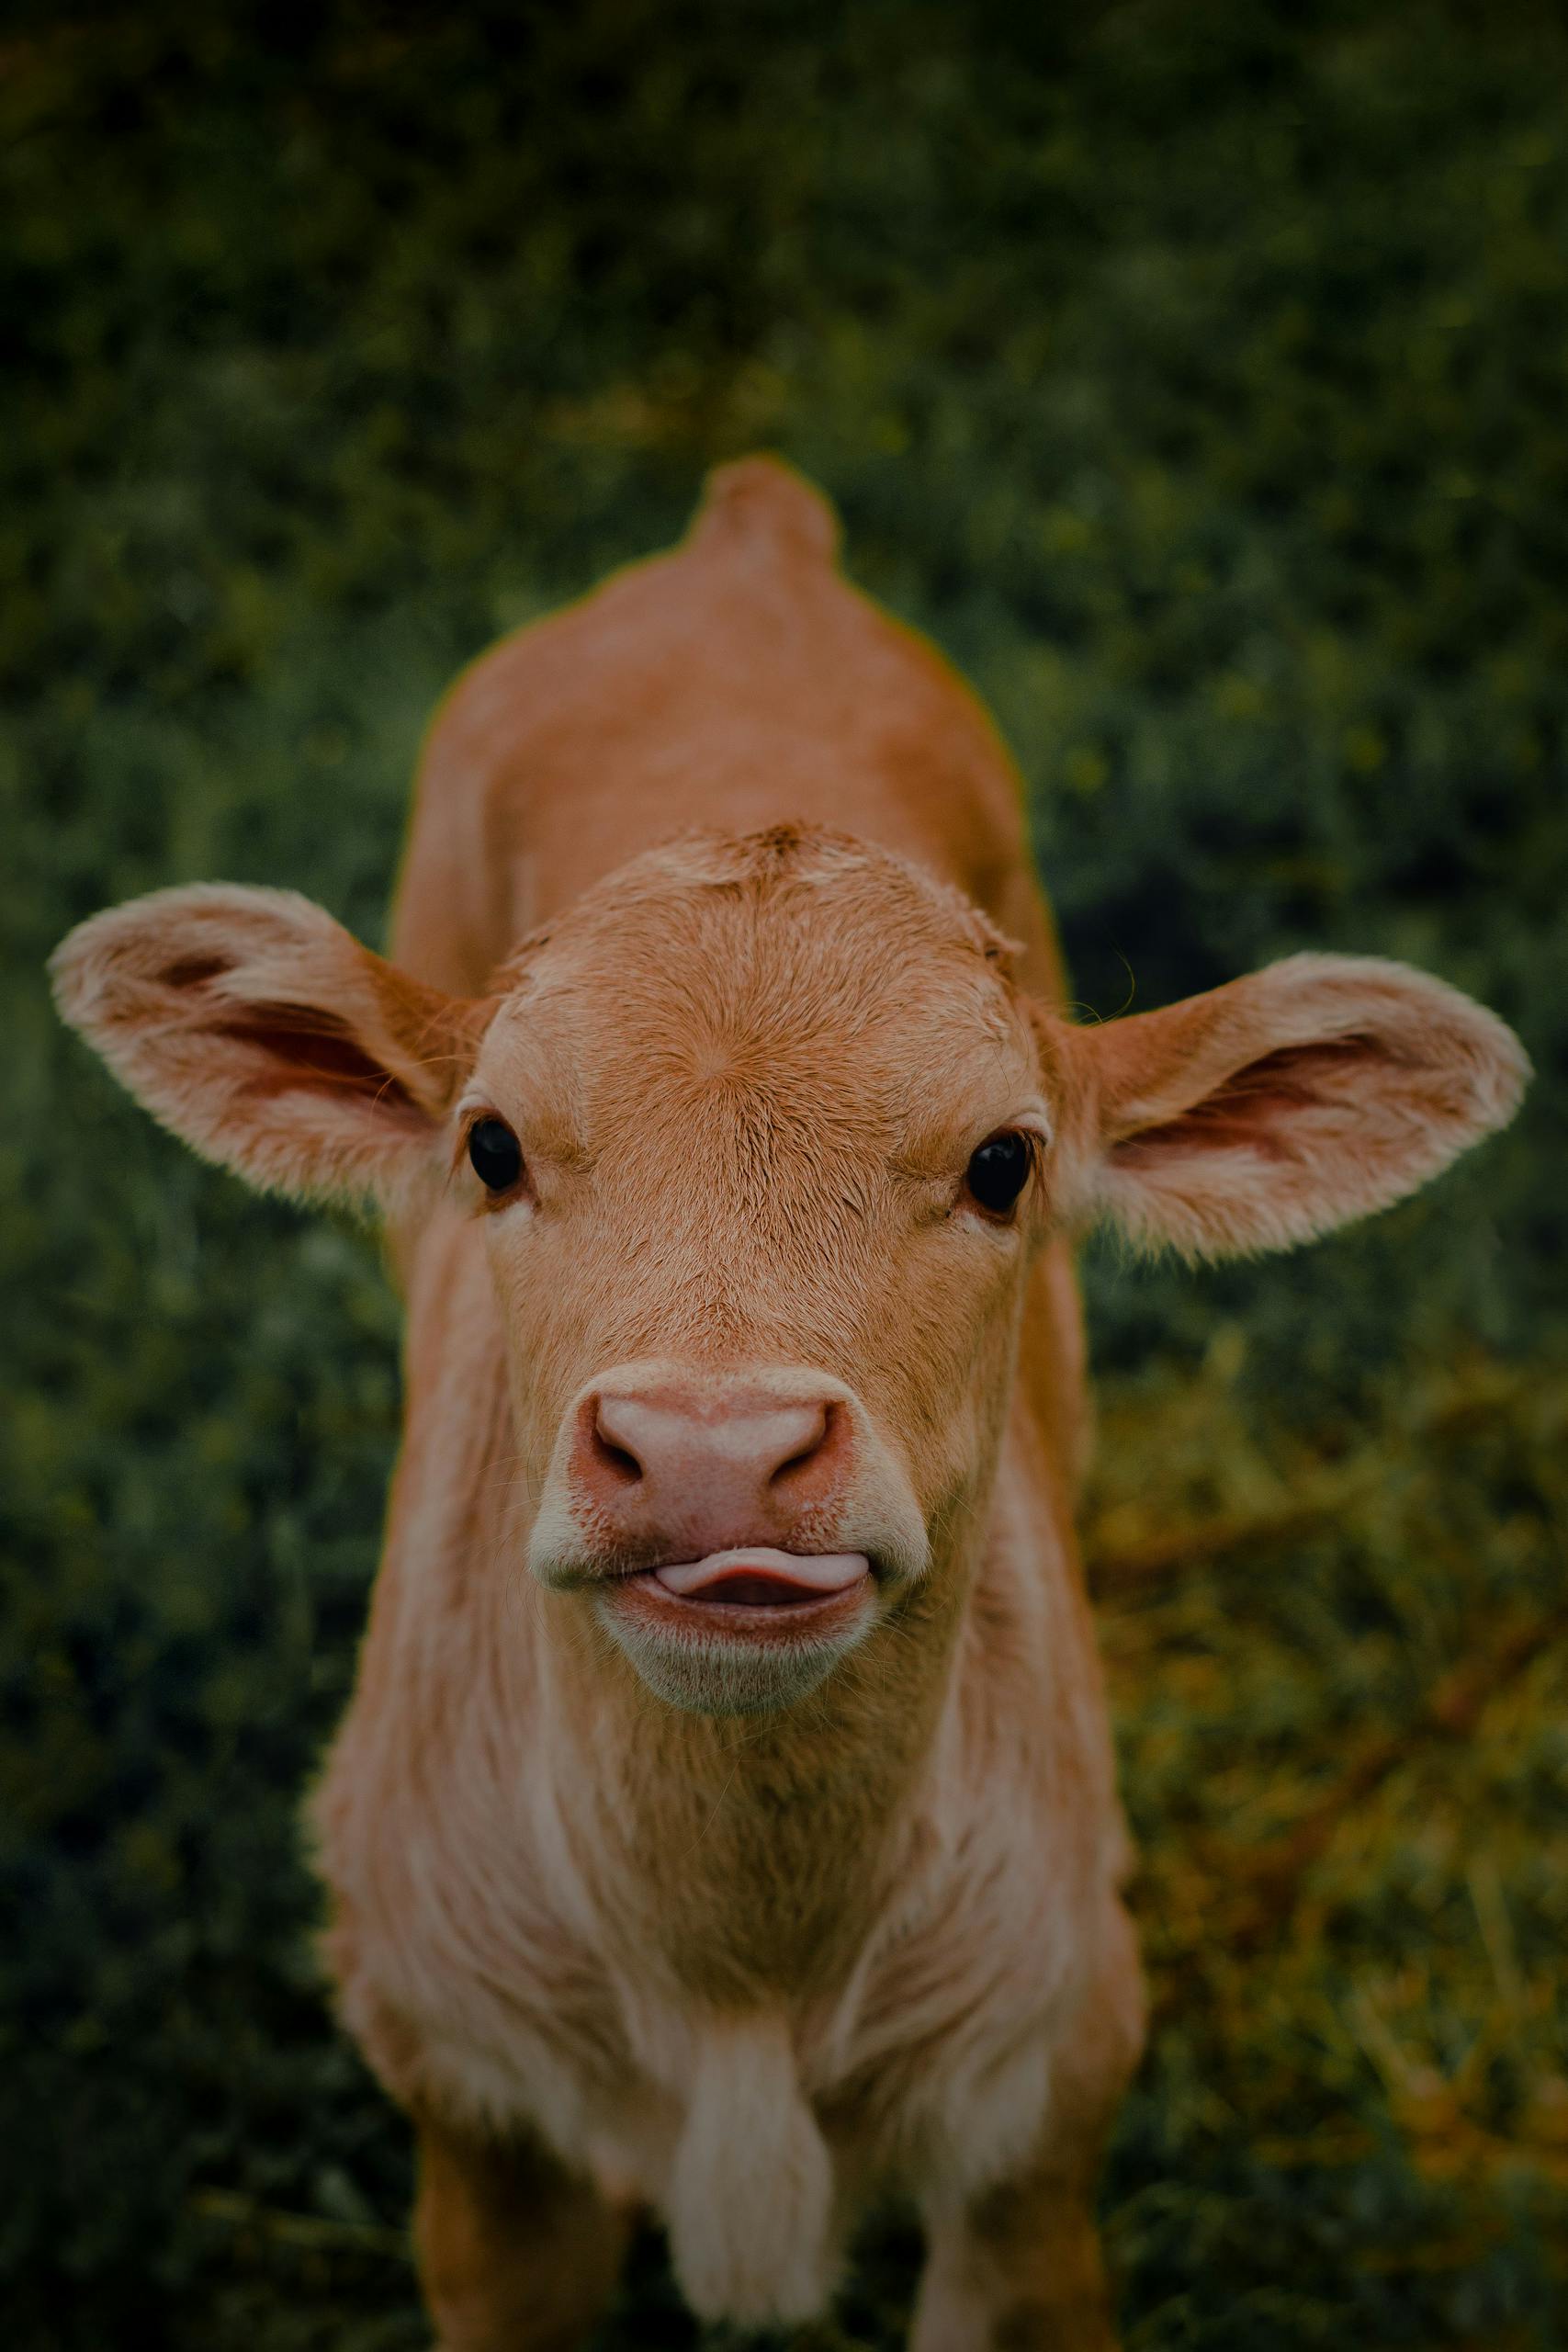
pixel 1270 1110
pixel 260 1032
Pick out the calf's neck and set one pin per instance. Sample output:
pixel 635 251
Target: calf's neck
pixel 723 1823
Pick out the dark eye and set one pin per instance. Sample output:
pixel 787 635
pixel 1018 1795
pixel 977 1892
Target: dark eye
pixel 495 1154
pixel 998 1173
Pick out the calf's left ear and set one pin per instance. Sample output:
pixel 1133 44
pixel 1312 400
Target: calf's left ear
pixel 263 1034
pixel 1272 1109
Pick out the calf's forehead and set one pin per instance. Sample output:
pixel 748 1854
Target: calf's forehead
pixel 876 1018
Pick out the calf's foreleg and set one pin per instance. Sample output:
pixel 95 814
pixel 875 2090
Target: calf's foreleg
pixel 515 2253
pixel 1016 2270
pixel 1016 2267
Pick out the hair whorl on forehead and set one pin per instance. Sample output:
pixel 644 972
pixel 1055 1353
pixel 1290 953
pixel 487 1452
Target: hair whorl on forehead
pixel 780 858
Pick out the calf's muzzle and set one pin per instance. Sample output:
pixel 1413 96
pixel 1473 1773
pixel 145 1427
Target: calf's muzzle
pixel 736 1533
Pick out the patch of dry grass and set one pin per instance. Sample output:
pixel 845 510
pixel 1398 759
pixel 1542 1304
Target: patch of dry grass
pixel 1339 1659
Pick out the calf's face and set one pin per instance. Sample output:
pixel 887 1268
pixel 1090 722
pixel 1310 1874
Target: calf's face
pixel 758 1140
pixel 756 1143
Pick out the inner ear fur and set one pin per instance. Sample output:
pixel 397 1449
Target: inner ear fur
pixel 263 1034
pixel 1268 1111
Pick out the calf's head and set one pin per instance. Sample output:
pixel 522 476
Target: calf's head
pixel 759 1139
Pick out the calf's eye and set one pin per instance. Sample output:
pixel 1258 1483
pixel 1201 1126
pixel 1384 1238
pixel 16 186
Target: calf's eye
pixel 495 1154
pixel 998 1171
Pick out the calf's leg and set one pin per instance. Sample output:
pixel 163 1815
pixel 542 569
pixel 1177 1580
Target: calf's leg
pixel 1016 2270
pixel 515 2253
pixel 1016 2267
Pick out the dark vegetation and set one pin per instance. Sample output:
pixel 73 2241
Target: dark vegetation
pixel 1198 374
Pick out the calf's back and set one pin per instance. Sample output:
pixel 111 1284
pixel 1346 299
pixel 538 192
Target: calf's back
pixel 738 682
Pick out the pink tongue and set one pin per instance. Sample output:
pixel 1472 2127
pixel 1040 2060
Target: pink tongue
pixel 761 1576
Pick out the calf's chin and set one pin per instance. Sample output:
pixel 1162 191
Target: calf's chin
pixel 706 1673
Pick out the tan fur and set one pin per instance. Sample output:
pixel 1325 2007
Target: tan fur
pixel 718 894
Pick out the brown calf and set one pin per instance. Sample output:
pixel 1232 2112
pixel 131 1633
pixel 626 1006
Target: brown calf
pixel 725 1821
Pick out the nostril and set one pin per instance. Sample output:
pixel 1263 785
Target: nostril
pixel 809 1449
pixel 610 1455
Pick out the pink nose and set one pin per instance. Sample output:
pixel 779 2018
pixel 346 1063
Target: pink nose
pixel 683 1472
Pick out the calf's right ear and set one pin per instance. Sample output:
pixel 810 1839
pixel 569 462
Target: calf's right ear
pixel 254 1027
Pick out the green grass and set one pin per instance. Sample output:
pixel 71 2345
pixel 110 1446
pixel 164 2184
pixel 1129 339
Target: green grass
pixel 1197 375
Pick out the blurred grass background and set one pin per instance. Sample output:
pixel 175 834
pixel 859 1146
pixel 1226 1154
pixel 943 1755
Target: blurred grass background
pixel 1197 373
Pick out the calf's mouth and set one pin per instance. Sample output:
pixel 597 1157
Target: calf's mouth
pixel 742 1630
pixel 692 1627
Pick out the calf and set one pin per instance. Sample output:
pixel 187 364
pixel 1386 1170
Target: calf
pixel 725 1821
